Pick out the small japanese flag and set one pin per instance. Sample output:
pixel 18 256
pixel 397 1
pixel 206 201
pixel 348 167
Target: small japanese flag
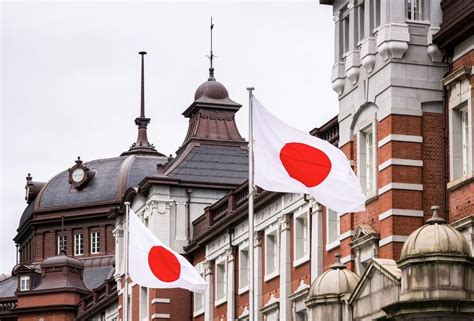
pixel 289 160
pixel 154 265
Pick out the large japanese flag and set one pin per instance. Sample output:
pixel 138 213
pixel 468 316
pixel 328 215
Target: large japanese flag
pixel 154 265
pixel 289 160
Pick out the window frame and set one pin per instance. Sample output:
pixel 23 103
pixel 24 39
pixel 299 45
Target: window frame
pixel 302 214
pixel 142 305
pixel 61 242
pixel 26 278
pixel 332 245
pixel 79 236
pixel 272 230
pixel 220 261
pixel 465 140
pixel 370 190
pixel 200 268
pixel 410 8
pixel 92 243
pixel 244 247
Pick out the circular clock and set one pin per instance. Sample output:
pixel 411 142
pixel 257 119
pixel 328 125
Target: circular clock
pixel 78 175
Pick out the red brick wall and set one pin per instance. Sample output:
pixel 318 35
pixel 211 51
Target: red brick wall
pixel 466 60
pixel 434 163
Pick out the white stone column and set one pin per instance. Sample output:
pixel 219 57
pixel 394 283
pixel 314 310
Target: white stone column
pixel 285 268
pixel 258 269
pixel 209 294
pixel 316 241
pixel 230 284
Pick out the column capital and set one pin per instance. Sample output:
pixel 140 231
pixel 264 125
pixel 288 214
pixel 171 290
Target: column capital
pixel 257 238
pixel 207 265
pixel 229 254
pixel 284 222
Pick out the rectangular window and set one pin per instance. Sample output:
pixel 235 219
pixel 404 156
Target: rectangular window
pixel 360 14
pixel 243 267
pixel 301 237
pixel 465 140
pixel 62 243
pixel 24 283
pixel 414 9
pixel 143 303
pixel 378 13
pixel 271 254
pixel 198 298
pixel 332 229
pixel 221 280
pixel 78 244
pixel 95 242
pixel 366 166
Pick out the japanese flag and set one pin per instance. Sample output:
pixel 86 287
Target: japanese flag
pixel 289 160
pixel 154 265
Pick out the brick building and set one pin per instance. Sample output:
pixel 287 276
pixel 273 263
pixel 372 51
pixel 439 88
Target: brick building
pixel 403 73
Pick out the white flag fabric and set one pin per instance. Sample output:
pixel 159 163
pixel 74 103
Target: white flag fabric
pixel 154 265
pixel 292 161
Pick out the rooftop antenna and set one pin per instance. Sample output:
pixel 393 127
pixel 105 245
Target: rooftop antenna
pixel 211 57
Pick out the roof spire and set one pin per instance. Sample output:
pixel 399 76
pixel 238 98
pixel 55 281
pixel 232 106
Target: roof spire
pixel 142 145
pixel 211 57
pixel 142 103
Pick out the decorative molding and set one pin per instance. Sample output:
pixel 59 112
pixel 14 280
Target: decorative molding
pixel 368 50
pixel 284 223
pixel 402 186
pixel 393 239
pixel 400 162
pixel 400 138
pixel 257 238
pixel 160 316
pixel 160 300
pixel 400 212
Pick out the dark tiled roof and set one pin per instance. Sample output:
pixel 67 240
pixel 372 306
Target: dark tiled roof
pixel 8 287
pixel 27 213
pixel 106 184
pixel 94 277
pixel 213 164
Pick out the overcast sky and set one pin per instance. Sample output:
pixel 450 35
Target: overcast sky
pixel 70 78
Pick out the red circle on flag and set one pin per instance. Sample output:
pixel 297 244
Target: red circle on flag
pixel 164 264
pixel 305 163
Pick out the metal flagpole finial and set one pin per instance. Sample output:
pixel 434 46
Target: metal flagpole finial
pixel 211 56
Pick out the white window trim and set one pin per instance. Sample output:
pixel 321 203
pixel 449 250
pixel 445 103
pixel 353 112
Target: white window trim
pixel 147 305
pixel 92 243
pixel 304 258
pixel 242 247
pixel 59 247
pixel 466 135
pixel 272 229
pixel 361 134
pixel 28 279
pixel 218 261
pixel 461 165
pixel 337 241
pixel 200 268
pixel 76 242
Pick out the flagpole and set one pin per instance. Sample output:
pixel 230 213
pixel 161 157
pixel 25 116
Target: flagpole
pixel 250 212
pixel 125 298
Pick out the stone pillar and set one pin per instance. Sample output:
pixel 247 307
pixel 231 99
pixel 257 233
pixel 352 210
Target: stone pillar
pixel 230 284
pixel 316 241
pixel 258 269
pixel 285 268
pixel 209 294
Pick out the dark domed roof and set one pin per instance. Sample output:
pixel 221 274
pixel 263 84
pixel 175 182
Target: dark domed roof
pixel 211 89
pixel 112 178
